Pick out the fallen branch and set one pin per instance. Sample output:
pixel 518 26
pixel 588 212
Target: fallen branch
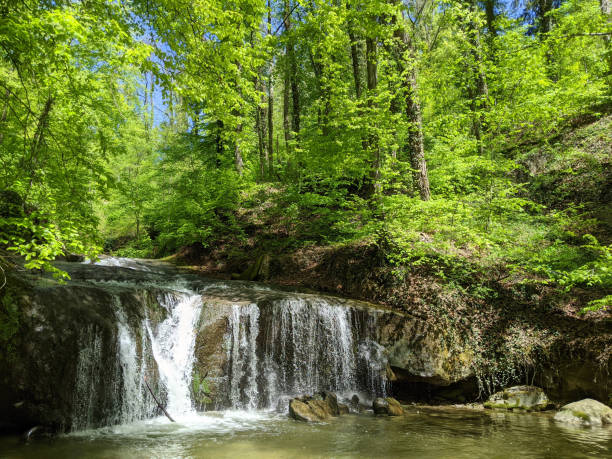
pixel 26 436
pixel 157 401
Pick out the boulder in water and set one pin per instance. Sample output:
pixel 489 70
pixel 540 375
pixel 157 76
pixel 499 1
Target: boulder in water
pixel 387 407
pixel 332 401
pixel 527 398
pixel 587 412
pixel 318 407
pixel 309 411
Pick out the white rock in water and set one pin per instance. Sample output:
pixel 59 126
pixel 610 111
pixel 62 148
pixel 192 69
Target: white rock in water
pixel 528 398
pixel 586 412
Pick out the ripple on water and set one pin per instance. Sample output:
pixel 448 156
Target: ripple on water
pixel 422 433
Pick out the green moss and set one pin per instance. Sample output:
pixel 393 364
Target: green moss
pixel 581 415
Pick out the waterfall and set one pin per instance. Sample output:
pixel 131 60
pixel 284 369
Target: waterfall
pixel 111 368
pixel 271 346
pixel 294 346
pixel 88 368
pixel 136 402
pixel 242 349
pixel 172 345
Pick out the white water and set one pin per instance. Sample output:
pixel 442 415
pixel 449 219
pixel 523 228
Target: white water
pixel 136 402
pixel 279 347
pixel 299 346
pixel 172 345
pixel 88 366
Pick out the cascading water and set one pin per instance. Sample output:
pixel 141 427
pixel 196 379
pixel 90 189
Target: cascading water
pixel 276 346
pixel 87 367
pixel 172 344
pixel 294 346
pixel 136 402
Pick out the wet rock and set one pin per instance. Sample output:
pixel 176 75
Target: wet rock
pixel 527 398
pixel 587 412
pixel 332 401
pixel 355 402
pixel 318 407
pixel 387 407
pixel 417 352
pixel 309 410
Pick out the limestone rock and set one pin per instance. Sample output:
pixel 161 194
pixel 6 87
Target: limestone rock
pixel 387 407
pixel 527 398
pixel 318 407
pixel 332 401
pixel 306 412
pixel 586 412
pixel 395 409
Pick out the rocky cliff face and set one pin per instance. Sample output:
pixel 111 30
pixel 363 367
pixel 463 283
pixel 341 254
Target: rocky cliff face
pixel 77 355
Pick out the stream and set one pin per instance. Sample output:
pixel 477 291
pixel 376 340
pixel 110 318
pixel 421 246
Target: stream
pixel 226 357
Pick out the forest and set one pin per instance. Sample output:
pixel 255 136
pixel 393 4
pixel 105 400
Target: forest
pixel 462 136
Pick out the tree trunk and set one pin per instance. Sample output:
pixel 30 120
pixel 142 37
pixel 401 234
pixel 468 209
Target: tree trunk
pixel 292 70
pixel 261 136
pixel 414 146
pixel 237 155
pixel 545 19
pixel 355 60
pixel 415 138
pixel 37 142
pixel 4 114
pixel 606 10
pixel 295 97
pixel 270 105
pixel 372 81
pixel 286 102
pixel 490 14
pixel 478 90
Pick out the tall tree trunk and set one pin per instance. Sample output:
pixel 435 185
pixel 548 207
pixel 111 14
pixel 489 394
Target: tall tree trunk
pixel 286 102
pixel 372 81
pixel 292 68
pixel 478 90
pixel 606 10
pixel 355 60
pixel 261 139
pixel 490 14
pixel 270 105
pixel 287 78
pixel 295 97
pixel 491 27
pixel 415 138
pixel 237 154
pixel 414 147
pixel 7 95
pixel 37 142
pixel 545 19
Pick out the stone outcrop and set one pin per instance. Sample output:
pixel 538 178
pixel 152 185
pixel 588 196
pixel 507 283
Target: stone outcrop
pixel 58 332
pixel 526 398
pixel 387 406
pixel 316 408
pixel 419 352
pixel 587 412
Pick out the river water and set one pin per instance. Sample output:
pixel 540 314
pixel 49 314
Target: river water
pixel 423 433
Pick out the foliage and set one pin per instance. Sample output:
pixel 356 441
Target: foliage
pixel 422 125
pixel 200 388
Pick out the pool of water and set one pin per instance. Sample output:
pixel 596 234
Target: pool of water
pixel 424 433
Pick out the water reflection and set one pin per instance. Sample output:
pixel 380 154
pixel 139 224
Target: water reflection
pixel 424 433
